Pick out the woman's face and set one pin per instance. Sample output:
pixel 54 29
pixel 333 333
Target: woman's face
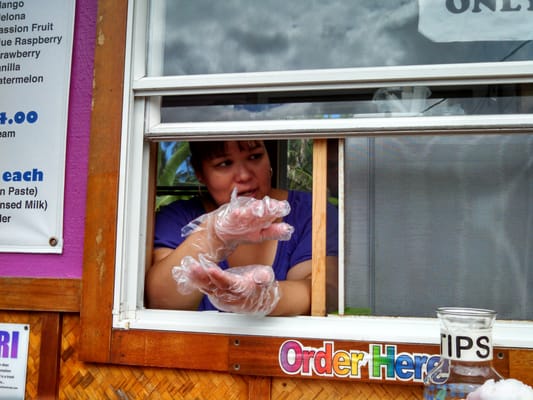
pixel 244 167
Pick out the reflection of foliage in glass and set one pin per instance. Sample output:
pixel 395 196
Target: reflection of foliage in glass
pixel 171 156
pixel 300 164
pixel 300 167
pixel 173 170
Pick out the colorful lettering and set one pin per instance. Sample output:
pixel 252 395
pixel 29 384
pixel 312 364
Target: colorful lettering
pixel 9 344
pixel 382 362
pixel 294 358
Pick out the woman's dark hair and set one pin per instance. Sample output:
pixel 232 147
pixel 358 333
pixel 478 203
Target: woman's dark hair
pixel 208 150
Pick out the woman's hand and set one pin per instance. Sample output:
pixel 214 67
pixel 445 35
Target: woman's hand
pixel 247 290
pixel 242 220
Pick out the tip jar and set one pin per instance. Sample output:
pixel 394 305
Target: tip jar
pixel 465 353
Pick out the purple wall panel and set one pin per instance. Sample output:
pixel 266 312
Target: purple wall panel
pixel 69 264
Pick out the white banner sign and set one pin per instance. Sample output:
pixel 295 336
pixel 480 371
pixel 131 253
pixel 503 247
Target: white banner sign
pixel 35 58
pixel 475 20
pixel 14 341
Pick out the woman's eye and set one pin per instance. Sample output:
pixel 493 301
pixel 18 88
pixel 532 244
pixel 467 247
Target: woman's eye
pixel 223 164
pixel 256 156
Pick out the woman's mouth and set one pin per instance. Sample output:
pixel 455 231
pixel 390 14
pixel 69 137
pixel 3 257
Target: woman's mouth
pixel 247 193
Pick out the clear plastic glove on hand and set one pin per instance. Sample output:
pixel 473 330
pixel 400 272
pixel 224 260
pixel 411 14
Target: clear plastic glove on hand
pixel 242 220
pixel 246 290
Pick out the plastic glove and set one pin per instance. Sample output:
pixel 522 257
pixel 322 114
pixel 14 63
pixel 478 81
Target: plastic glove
pixel 246 290
pixel 242 220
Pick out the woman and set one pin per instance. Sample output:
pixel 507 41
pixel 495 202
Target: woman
pixel 247 239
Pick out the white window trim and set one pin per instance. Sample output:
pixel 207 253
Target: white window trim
pixel 438 125
pixel 490 73
pixel 515 334
pixel 128 312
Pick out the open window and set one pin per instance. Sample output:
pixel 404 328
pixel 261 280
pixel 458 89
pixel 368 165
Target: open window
pixel 434 167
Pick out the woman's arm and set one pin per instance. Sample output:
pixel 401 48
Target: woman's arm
pixel 295 292
pixel 295 298
pixel 161 288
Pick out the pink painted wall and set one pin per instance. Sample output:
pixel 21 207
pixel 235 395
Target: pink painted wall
pixel 69 264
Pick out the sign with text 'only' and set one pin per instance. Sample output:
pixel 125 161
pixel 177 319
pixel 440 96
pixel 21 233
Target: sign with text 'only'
pixel 476 20
pixel 36 40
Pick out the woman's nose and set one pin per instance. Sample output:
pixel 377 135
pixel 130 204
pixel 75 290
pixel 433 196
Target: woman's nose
pixel 242 172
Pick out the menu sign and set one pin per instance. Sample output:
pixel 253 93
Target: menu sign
pixel 14 340
pixel 35 59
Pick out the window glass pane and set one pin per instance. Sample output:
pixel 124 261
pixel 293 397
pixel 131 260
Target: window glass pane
pixel 440 221
pixel 355 103
pixel 175 177
pixel 212 36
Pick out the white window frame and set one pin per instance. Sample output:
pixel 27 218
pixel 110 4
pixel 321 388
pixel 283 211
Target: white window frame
pixel 141 122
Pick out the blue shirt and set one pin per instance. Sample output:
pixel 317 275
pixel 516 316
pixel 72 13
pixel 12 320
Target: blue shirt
pixel 172 218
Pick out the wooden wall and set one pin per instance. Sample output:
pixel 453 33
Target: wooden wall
pixel 79 380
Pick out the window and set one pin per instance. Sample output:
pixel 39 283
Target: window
pixel 436 159
pixel 212 37
pixel 448 221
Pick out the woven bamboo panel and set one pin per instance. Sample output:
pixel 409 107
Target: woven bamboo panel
pixel 80 380
pixel 34 347
pixel 94 381
pixel 306 389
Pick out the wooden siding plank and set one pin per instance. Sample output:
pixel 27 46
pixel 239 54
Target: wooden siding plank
pixel 102 182
pixel 49 355
pixel 260 356
pixel 170 349
pixel 318 298
pixel 259 388
pixel 40 294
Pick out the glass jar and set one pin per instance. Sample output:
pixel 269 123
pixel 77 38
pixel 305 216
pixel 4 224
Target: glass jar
pixel 465 353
